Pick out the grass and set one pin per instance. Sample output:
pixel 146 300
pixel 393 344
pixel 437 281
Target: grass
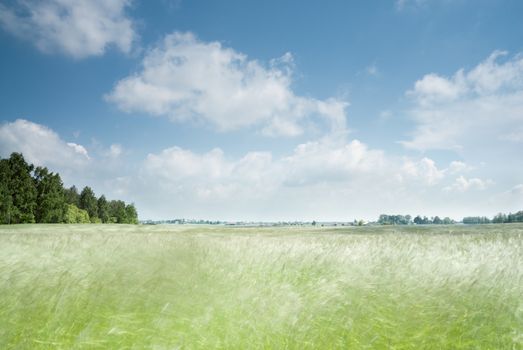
pixel 170 287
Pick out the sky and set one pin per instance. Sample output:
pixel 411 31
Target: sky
pixel 270 110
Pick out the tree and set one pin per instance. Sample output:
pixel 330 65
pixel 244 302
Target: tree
pixel 22 189
pixel 74 215
pixel 89 203
pixel 131 214
pixel 103 209
pixel 418 220
pixel 437 220
pixel 29 195
pixel 71 196
pixel 117 213
pixel 6 201
pixel 50 200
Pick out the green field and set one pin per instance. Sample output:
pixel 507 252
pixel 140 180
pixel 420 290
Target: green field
pixel 170 287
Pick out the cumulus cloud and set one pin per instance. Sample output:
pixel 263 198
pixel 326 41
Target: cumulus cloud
pixel 424 170
pixel 40 145
pixel 209 176
pixel 310 163
pixel 184 78
pixel 78 28
pixel 328 177
pixel 482 107
pixel 462 184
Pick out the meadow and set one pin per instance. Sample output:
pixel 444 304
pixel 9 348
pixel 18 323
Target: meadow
pixel 201 287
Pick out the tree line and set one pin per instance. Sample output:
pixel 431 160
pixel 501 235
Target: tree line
pixel 498 219
pixel 385 219
pixel 30 194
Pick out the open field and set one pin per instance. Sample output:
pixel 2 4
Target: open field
pixel 168 287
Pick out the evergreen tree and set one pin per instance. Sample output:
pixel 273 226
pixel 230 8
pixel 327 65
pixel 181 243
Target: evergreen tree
pixel 29 195
pixel 22 189
pixel 6 201
pixel 103 209
pixel 72 196
pixel 50 200
pixel 89 203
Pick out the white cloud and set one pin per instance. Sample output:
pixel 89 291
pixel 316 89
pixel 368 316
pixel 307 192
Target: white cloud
pixel 330 160
pixel 78 28
pixel 478 109
pixel 424 170
pixel 40 145
pixel 327 178
pixel 457 166
pixel 115 150
pixel 462 184
pixel 209 176
pixel 78 149
pixel 184 78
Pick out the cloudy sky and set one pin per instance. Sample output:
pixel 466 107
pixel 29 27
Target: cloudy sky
pixel 271 110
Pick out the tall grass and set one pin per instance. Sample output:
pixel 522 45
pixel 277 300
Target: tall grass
pixel 169 287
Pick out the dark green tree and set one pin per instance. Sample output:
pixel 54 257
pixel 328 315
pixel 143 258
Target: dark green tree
pixel 103 209
pixel 50 200
pixel 72 196
pixel 6 201
pixel 22 189
pixel 117 213
pixel 89 203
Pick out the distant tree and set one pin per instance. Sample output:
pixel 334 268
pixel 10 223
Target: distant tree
pixel 89 203
pixel 6 201
pixel 448 221
pixel 22 189
pixel 103 209
pixel 72 196
pixel 437 220
pixel 394 219
pixel 475 220
pixel 50 200
pixel 418 220
pixel 131 214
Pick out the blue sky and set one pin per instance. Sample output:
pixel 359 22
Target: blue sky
pixel 271 110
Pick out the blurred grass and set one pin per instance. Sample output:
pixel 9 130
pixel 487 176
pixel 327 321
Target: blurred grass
pixel 169 287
